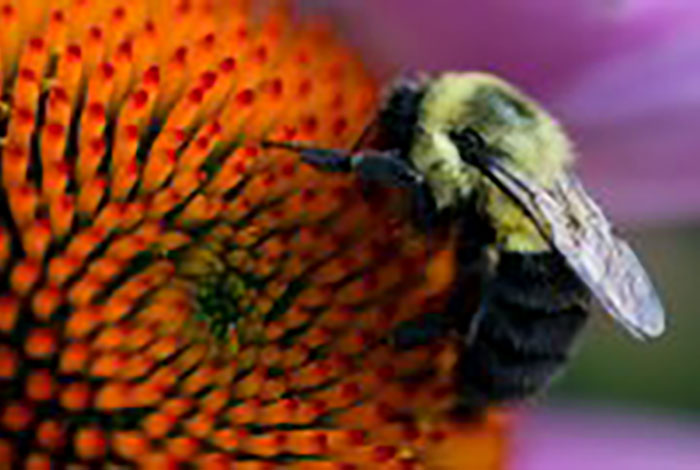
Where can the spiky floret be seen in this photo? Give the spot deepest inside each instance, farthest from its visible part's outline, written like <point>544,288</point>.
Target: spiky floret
<point>170,293</point>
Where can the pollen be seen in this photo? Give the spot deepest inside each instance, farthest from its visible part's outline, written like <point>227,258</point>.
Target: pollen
<point>173,292</point>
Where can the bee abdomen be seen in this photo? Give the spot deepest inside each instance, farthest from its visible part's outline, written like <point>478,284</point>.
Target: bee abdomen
<point>529,317</point>
<point>536,281</point>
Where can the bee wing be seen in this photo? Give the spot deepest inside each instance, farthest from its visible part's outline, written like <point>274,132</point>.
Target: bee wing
<point>578,229</point>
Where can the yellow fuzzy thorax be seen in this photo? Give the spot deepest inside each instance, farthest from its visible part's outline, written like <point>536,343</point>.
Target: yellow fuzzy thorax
<point>515,128</point>
<point>514,230</point>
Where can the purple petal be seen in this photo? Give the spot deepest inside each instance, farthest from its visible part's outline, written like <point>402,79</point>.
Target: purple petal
<point>538,44</point>
<point>597,439</point>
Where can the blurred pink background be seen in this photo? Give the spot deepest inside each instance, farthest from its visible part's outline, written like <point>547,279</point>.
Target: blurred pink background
<point>623,76</point>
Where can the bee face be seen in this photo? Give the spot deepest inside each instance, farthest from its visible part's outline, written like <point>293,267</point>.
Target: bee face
<point>461,111</point>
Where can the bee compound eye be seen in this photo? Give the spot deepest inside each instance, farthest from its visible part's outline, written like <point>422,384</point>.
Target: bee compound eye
<point>467,140</point>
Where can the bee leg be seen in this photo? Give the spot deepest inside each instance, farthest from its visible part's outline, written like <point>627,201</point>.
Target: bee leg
<point>331,160</point>
<point>386,168</point>
<point>390,169</point>
<point>336,161</point>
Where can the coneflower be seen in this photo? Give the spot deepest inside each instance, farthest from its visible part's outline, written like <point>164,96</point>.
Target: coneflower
<point>172,294</point>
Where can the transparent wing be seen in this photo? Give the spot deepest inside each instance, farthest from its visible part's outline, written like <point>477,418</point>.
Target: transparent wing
<point>577,228</point>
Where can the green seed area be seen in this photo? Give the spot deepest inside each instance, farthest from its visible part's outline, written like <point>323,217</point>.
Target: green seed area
<point>218,303</point>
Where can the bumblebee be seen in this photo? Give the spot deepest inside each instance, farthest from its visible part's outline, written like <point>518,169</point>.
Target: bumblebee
<point>478,156</point>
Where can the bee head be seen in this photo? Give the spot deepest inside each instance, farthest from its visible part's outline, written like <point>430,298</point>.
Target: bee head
<point>468,113</point>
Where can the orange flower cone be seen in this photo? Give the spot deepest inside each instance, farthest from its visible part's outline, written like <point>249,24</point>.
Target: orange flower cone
<point>173,295</point>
